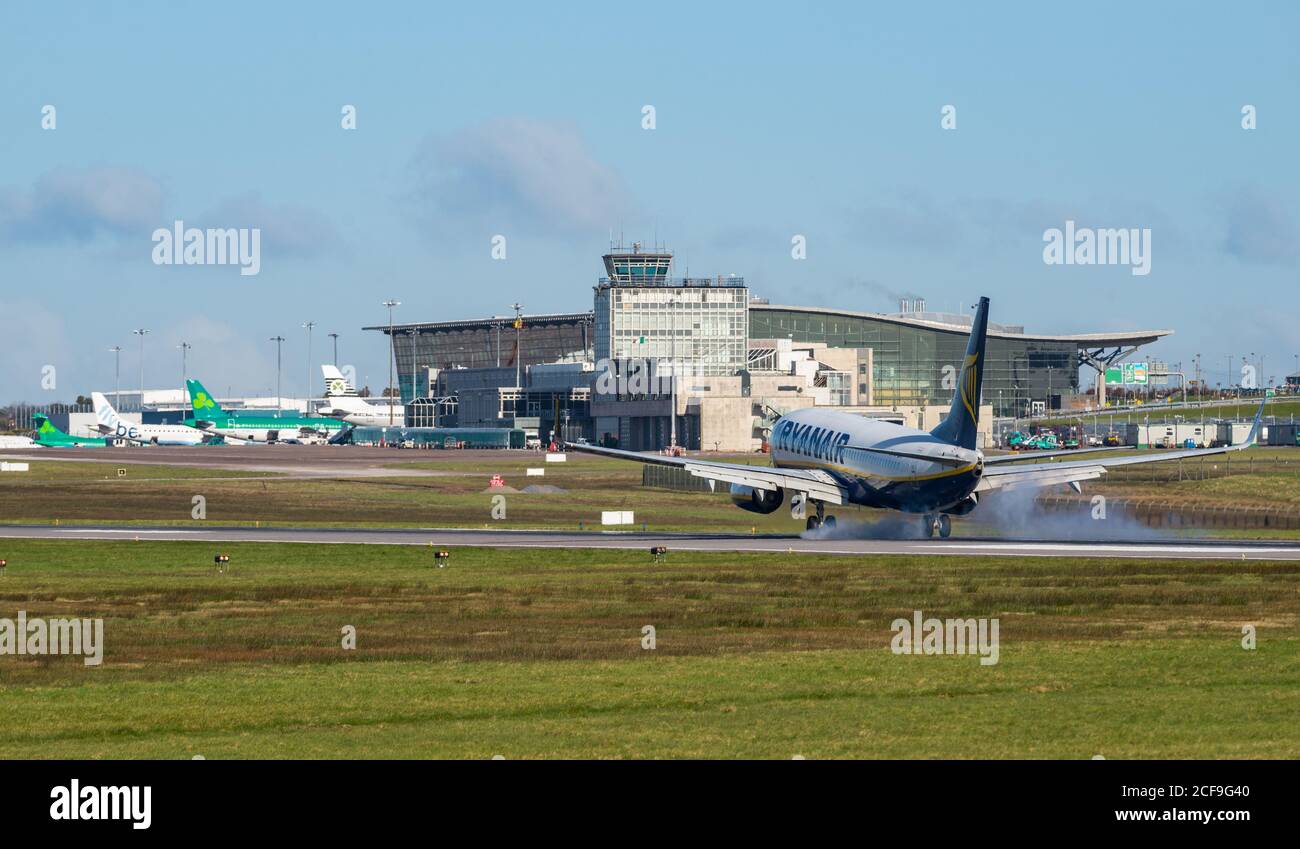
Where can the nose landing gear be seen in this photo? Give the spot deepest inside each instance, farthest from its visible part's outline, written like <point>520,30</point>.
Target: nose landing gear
<point>936,523</point>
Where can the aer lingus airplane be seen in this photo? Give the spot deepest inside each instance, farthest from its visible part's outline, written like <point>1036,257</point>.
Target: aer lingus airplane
<point>347,405</point>
<point>208,416</point>
<point>49,436</point>
<point>827,457</point>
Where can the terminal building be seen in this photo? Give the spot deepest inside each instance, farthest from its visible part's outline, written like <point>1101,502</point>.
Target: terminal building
<point>703,364</point>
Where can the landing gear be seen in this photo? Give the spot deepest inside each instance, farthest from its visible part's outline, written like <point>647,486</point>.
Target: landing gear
<point>815,522</point>
<point>936,522</point>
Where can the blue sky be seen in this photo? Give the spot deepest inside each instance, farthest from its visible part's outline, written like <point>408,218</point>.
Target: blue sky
<point>525,120</point>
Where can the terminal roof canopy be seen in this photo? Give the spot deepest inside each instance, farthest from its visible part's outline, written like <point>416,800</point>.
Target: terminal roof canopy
<point>1084,340</point>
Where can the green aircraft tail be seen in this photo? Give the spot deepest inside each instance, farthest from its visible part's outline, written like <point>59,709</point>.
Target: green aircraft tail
<point>202,404</point>
<point>44,427</point>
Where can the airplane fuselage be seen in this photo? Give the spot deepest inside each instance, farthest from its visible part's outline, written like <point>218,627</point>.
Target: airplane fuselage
<point>837,443</point>
<point>156,434</point>
<point>272,429</point>
<point>376,416</point>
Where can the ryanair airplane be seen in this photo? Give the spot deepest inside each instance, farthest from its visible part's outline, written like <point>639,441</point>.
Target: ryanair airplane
<point>827,457</point>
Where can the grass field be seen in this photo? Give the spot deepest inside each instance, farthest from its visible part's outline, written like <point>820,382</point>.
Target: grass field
<point>1281,408</point>
<point>88,492</point>
<point>73,492</point>
<point>528,654</point>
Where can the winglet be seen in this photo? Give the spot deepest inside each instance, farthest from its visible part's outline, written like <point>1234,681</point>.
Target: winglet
<point>1255,428</point>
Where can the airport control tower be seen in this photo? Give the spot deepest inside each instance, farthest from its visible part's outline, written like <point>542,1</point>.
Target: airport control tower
<point>635,267</point>
<point>641,312</point>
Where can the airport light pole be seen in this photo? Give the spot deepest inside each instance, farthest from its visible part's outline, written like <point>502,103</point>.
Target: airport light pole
<point>278,340</point>
<point>117,375</point>
<point>519,324</point>
<point>185,349</point>
<point>392,341</point>
<point>141,332</point>
<point>307,397</point>
<point>672,386</point>
<point>335,337</point>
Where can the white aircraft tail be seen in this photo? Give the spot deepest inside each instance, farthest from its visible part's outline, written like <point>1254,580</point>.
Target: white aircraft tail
<point>336,385</point>
<point>105,415</point>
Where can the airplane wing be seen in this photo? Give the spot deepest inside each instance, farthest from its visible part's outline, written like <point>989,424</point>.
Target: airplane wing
<point>818,484</point>
<point>1009,476</point>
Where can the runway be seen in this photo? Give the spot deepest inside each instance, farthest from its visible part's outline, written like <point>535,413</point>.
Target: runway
<point>551,540</point>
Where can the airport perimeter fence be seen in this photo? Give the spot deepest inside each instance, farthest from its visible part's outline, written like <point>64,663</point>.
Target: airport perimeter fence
<point>1282,463</point>
<point>1157,513</point>
<point>19,416</point>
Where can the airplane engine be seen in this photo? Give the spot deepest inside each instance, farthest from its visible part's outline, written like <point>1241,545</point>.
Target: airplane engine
<point>756,500</point>
<point>961,508</point>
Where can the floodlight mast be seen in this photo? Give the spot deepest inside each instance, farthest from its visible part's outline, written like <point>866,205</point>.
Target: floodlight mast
<point>392,360</point>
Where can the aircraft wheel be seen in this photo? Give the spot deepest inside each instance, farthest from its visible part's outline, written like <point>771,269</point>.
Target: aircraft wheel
<point>813,523</point>
<point>927,525</point>
<point>829,521</point>
<point>945,526</point>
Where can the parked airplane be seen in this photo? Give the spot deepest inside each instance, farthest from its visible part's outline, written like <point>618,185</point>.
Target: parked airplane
<point>208,416</point>
<point>49,436</point>
<point>347,405</point>
<point>7,441</point>
<point>112,426</point>
<point>829,457</point>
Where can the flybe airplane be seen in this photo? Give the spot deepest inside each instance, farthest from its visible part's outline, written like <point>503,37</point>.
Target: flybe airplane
<point>49,436</point>
<point>208,416</point>
<point>112,426</point>
<point>347,405</point>
<point>835,458</point>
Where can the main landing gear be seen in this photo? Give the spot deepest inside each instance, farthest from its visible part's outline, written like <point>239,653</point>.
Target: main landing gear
<point>821,519</point>
<point>936,523</point>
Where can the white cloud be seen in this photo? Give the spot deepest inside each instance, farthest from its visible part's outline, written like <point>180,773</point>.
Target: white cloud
<point>517,173</point>
<point>80,204</point>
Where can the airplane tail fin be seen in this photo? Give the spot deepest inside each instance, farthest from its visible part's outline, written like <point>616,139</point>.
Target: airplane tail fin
<point>336,384</point>
<point>44,427</point>
<point>203,405</point>
<point>104,412</point>
<point>961,427</point>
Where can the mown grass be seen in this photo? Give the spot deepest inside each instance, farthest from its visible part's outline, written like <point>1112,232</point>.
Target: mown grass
<point>1160,412</point>
<point>588,487</point>
<point>82,493</point>
<point>75,473</point>
<point>538,654</point>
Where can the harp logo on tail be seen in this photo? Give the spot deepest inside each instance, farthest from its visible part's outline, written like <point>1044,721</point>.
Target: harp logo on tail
<point>968,385</point>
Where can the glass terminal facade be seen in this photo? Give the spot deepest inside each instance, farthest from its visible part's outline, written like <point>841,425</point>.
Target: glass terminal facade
<point>915,364</point>
<point>486,343</point>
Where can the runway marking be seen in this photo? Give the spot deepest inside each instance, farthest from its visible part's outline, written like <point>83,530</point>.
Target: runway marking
<point>1106,546</point>
<point>127,531</point>
<point>706,543</point>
